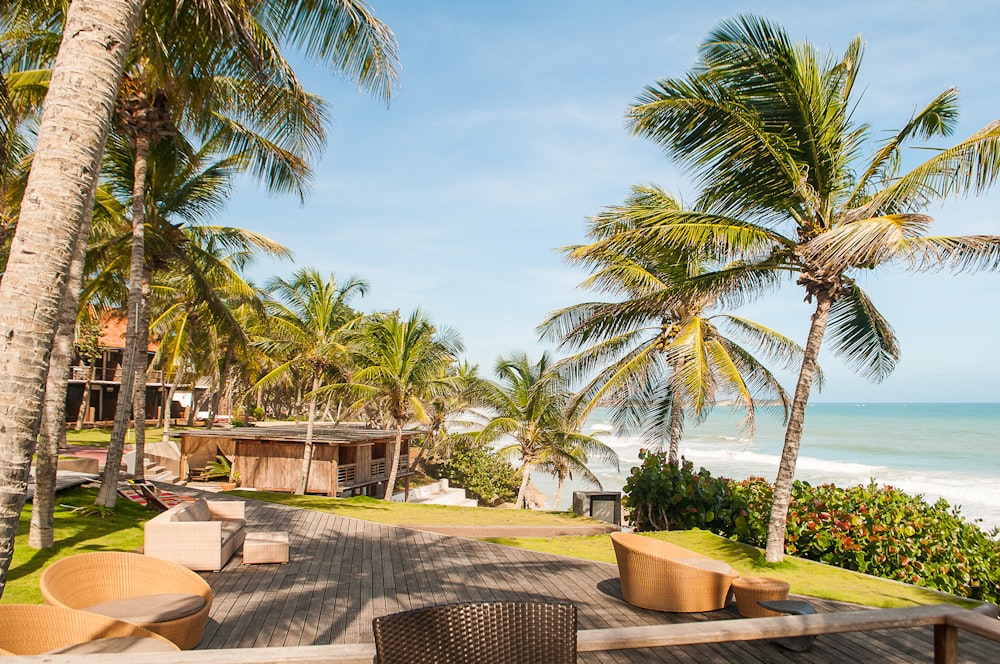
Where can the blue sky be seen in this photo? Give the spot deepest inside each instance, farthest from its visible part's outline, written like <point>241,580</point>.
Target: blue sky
<point>508,131</point>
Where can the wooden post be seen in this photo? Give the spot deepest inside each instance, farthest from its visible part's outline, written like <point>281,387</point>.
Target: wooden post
<point>945,644</point>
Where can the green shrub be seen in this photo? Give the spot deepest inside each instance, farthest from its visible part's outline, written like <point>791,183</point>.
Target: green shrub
<point>873,529</point>
<point>883,531</point>
<point>479,470</point>
<point>665,496</point>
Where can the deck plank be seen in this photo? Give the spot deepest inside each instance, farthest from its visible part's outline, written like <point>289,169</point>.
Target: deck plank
<point>344,572</point>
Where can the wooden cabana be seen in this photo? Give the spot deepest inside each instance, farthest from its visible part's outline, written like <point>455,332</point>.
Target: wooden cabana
<point>346,460</point>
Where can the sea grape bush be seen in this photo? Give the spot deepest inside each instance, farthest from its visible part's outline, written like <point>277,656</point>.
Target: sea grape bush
<point>665,496</point>
<point>874,529</point>
<point>883,531</point>
<point>486,475</point>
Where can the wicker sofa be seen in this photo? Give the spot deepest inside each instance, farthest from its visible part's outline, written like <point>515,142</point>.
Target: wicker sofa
<point>154,594</point>
<point>200,535</point>
<point>35,629</point>
<point>664,577</point>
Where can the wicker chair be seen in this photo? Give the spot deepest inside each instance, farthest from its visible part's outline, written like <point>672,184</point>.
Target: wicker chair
<point>88,579</point>
<point>34,629</point>
<point>664,577</point>
<point>478,633</point>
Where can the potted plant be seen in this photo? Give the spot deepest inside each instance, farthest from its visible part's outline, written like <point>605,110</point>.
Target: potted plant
<point>220,467</point>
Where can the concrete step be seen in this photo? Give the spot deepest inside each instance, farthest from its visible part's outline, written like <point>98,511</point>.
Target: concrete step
<point>438,493</point>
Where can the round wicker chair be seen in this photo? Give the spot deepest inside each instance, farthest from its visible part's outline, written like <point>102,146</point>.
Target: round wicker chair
<point>664,577</point>
<point>88,579</point>
<point>34,629</point>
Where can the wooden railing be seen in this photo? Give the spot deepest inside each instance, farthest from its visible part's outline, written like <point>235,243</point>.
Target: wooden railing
<point>111,374</point>
<point>946,620</point>
<point>346,472</point>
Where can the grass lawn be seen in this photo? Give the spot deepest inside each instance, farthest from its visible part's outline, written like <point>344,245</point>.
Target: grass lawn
<point>804,576</point>
<point>381,511</point>
<point>75,532</point>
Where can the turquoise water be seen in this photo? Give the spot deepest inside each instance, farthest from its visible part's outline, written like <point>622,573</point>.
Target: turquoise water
<point>937,450</point>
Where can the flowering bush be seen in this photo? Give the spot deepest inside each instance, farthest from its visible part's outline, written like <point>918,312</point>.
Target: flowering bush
<point>874,529</point>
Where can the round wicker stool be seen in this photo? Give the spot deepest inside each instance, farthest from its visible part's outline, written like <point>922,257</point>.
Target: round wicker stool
<point>752,588</point>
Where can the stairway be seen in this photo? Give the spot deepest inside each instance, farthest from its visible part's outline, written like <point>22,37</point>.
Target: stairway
<point>438,493</point>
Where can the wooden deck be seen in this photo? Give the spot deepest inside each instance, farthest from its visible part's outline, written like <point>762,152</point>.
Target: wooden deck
<point>344,572</point>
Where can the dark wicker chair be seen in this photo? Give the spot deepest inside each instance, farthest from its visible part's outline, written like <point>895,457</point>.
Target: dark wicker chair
<point>479,633</point>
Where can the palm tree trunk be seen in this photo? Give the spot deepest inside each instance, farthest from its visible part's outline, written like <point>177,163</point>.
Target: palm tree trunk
<point>57,205</point>
<point>676,428</point>
<point>141,366</point>
<point>166,410</point>
<point>793,434</point>
<point>559,490</point>
<point>390,483</point>
<point>108,493</point>
<point>525,478</point>
<point>85,399</point>
<point>52,434</point>
<point>307,451</point>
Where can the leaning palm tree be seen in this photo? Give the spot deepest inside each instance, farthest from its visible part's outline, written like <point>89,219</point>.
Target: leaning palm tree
<point>55,213</point>
<point>532,405</point>
<point>310,328</point>
<point>403,365</point>
<point>656,351</point>
<point>793,185</point>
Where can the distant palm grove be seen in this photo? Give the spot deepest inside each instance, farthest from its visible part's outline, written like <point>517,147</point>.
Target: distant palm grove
<point>110,191</point>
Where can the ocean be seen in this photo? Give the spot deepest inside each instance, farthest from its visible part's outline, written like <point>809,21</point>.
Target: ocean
<point>936,450</point>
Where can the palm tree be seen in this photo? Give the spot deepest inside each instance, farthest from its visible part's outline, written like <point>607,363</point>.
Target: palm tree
<point>791,186</point>
<point>310,330</point>
<point>58,200</point>
<point>402,365</point>
<point>532,404</point>
<point>442,407</point>
<point>656,350</point>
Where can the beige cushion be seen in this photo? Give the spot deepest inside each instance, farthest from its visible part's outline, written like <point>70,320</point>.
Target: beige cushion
<point>231,527</point>
<point>116,644</point>
<point>198,511</point>
<point>707,564</point>
<point>151,608</point>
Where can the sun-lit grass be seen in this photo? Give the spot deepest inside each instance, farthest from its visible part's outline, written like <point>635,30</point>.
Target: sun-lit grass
<point>122,531</point>
<point>804,576</point>
<point>381,511</point>
<point>75,532</point>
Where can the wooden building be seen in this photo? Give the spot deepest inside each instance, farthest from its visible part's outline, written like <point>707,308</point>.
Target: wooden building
<point>100,383</point>
<point>346,460</point>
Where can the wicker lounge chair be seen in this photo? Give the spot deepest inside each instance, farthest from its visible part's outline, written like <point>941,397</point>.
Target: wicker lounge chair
<point>34,629</point>
<point>479,633</point>
<point>139,589</point>
<point>664,577</point>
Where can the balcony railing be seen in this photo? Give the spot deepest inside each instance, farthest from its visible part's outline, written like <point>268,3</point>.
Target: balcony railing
<point>111,374</point>
<point>347,473</point>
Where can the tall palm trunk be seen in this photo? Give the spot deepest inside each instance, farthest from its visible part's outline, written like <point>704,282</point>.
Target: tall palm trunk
<point>141,365</point>
<point>307,451</point>
<point>559,490</point>
<point>525,479</point>
<point>52,434</point>
<point>108,493</point>
<point>167,403</point>
<point>676,428</point>
<point>57,205</point>
<point>793,434</point>
<point>390,484</point>
<point>85,399</point>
